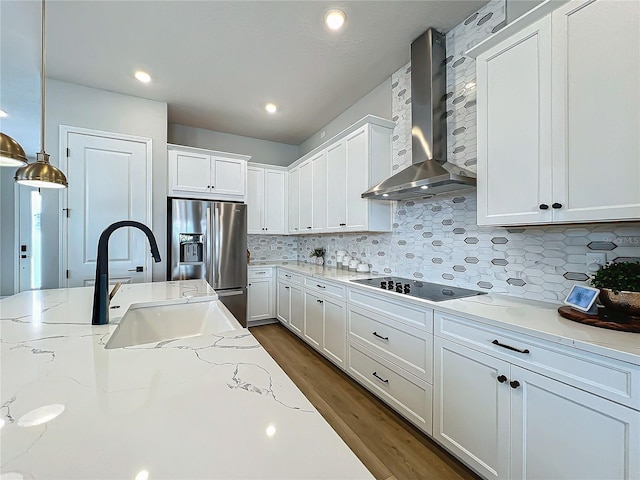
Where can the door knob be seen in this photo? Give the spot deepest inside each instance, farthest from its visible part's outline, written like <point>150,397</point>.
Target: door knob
<point>502,379</point>
<point>556,205</point>
<point>544,206</point>
<point>514,384</point>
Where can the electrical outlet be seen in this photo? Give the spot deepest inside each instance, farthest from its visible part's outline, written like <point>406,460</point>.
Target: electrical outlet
<point>273,246</point>
<point>595,260</point>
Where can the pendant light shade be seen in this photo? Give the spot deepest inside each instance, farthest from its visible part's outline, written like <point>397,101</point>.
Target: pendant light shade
<point>11,153</point>
<point>41,174</point>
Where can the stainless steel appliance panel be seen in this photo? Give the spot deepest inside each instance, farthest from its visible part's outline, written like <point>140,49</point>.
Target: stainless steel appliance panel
<point>236,301</point>
<point>188,239</point>
<point>229,246</point>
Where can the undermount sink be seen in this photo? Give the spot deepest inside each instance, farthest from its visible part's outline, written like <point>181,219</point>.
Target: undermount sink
<point>150,324</point>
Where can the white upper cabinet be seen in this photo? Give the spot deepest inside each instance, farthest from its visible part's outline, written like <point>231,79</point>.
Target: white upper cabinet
<point>294,201</point>
<point>206,174</point>
<point>559,116</point>
<point>331,179</point>
<point>266,200</point>
<point>596,105</point>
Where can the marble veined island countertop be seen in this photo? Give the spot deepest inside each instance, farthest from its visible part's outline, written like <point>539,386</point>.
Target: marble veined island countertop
<point>210,406</point>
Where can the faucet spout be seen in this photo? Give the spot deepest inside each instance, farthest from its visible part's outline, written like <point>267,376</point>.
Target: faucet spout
<point>100,314</point>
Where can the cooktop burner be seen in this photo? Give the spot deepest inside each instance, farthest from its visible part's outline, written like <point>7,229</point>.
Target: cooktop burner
<point>415,288</point>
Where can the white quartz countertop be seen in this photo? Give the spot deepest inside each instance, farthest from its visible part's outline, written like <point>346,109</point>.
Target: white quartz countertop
<point>538,319</point>
<point>214,406</point>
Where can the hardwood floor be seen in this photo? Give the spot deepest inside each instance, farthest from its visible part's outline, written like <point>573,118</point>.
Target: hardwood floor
<point>389,446</point>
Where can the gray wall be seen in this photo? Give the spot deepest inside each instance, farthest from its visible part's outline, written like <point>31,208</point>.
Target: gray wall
<point>517,8</point>
<point>79,106</point>
<point>261,151</point>
<point>376,102</point>
<point>7,250</point>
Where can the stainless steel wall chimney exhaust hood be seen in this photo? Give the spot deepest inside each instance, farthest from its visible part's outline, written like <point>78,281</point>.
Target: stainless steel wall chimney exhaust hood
<point>430,173</point>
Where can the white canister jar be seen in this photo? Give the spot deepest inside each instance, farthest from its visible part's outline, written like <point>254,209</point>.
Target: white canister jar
<point>339,259</point>
<point>353,264</point>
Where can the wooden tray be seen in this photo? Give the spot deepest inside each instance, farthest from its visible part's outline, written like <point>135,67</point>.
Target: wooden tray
<point>633,325</point>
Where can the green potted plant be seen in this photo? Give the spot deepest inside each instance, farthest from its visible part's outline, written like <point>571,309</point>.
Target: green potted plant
<point>619,285</point>
<point>319,254</point>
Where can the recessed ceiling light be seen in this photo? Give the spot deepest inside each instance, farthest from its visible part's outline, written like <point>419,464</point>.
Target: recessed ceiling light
<point>334,19</point>
<point>144,77</point>
<point>385,194</point>
<point>424,187</point>
<point>271,107</point>
<point>3,114</point>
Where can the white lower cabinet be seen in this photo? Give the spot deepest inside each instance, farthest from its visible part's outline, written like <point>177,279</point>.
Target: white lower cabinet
<point>260,294</point>
<point>325,326</point>
<point>507,421</point>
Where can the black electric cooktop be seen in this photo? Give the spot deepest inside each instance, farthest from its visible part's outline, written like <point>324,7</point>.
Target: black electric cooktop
<point>415,288</point>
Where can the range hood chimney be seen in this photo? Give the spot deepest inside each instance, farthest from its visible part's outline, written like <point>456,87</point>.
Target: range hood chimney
<point>430,173</point>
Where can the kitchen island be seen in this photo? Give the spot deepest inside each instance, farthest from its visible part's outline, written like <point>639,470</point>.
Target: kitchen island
<point>209,406</point>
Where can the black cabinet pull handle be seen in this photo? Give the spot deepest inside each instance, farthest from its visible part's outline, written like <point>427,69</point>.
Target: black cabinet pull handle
<point>502,379</point>
<point>319,301</point>
<point>308,227</point>
<point>380,336</point>
<point>514,384</point>
<point>288,276</point>
<point>509,347</point>
<point>544,206</point>
<point>383,380</point>
<point>343,224</point>
<point>320,286</point>
<point>286,288</point>
<point>556,205</point>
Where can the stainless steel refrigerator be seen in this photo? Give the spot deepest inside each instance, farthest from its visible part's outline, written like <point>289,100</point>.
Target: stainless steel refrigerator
<point>209,240</point>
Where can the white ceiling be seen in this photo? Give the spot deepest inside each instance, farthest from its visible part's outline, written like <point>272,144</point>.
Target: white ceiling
<point>216,63</point>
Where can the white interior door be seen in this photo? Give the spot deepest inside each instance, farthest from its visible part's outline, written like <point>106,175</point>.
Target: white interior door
<point>109,180</point>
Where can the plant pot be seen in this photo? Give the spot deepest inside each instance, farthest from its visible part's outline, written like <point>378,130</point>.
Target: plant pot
<point>628,302</point>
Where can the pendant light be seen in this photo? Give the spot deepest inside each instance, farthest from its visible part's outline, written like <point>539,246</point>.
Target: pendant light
<point>11,153</point>
<point>41,174</point>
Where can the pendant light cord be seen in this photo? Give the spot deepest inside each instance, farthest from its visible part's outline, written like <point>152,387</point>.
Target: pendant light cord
<point>42,99</point>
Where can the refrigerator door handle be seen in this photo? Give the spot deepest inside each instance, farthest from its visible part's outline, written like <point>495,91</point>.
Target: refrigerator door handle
<point>216,247</point>
<point>209,255</point>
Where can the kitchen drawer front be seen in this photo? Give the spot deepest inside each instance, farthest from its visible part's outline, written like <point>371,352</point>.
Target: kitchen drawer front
<point>393,309</point>
<point>606,377</point>
<point>326,288</point>
<point>405,346</point>
<point>288,276</point>
<point>254,273</point>
<point>409,396</point>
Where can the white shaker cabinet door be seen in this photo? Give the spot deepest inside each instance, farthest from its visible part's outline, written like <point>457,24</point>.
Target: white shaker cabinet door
<point>319,191</point>
<point>190,172</point>
<point>514,129</point>
<point>296,321</point>
<point>559,431</point>
<point>336,186</point>
<point>471,407</point>
<point>313,319</point>
<point>294,200</point>
<point>305,204</point>
<point>596,111</point>
<point>255,200</point>
<point>260,301</point>
<point>357,178</point>
<point>334,343</point>
<point>283,303</point>
<point>274,201</point>
<point>229,176</point>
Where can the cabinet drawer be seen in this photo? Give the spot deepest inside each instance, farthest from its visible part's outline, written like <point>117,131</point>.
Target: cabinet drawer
<point>408,395</point>
<point>402,312</point>
<point>288,276</point>
<point>258,272</point>
<point>330,289</point>
<point>606,377</point>
<point>407,347</point>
